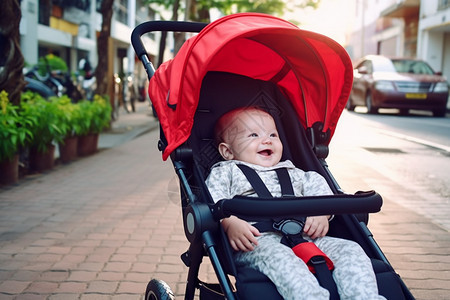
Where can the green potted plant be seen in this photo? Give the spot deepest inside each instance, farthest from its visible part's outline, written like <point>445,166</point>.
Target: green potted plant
<point>96,116</point>
<point>69,118</point>
<point>47,129</point>
<point>14,133</point>
<point>87,141</point>
<point>101,114</point>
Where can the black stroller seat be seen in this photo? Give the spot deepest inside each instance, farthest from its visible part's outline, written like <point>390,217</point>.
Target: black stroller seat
<point>237,91</point>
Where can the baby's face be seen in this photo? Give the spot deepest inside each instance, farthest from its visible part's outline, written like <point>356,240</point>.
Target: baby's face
<point>252,137</point>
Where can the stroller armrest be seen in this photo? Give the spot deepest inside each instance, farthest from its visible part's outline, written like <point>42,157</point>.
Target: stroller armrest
<point>251,208</point>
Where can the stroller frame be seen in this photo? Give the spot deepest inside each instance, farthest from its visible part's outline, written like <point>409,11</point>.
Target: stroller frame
<point>201,217</point>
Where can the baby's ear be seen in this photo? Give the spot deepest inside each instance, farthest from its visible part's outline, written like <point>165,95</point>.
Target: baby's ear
<point>225,151</point>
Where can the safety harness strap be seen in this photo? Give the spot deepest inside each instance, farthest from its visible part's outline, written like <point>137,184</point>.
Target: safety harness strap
<point>255,181</point>
<point>285,182</point>
<point>317,261</point>
<point>260,188</point>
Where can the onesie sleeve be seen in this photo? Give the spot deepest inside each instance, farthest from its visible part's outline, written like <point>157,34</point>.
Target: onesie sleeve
<point>315,185</point>
<point>218,183</point>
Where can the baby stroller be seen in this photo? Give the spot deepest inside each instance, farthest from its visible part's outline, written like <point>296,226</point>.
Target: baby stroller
<point>304,80</point>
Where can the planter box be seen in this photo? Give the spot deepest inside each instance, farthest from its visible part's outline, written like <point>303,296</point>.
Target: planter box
<point>87,144</point>
<point>68,150</point>
<point>9,171</point>
<point>42,161</point>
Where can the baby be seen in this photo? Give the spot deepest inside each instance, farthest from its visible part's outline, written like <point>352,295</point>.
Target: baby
<point>249,136</point>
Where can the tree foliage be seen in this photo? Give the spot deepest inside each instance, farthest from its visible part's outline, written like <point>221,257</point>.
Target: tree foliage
<point>199,9</point>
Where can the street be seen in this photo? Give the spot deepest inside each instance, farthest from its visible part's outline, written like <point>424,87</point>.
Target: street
<point>412,151</point>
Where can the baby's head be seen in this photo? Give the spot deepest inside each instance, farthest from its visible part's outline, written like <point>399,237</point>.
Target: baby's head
<point>250,135</point>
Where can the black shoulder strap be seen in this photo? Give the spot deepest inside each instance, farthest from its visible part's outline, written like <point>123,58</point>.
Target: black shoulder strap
<point>255,181</point>
<point>259,186</point>
<point>285,181</point>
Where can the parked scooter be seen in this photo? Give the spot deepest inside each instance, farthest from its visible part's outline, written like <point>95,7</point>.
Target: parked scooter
<point>48,79</point>
<point>38,87</point>
<point>130,93</point>
<point>86,79</point>
<point>69,87</point>
<point>58,81</point>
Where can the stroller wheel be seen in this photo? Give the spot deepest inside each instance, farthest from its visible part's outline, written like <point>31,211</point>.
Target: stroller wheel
<point>158,290</point>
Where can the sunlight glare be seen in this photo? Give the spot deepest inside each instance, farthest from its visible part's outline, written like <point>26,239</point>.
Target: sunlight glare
<point>333,18</point>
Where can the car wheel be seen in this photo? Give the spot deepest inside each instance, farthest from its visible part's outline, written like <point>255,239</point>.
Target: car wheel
<point>158,290</point>
<point>370,108</point>
<point>440,112</point>
<point>350,106</point>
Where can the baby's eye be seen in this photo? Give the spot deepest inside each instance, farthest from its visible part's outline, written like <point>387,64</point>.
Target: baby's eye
<point>273,135</point>
<point>253,135</point>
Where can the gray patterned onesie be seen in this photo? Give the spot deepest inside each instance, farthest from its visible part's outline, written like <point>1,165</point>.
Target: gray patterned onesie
<point>353,271</point>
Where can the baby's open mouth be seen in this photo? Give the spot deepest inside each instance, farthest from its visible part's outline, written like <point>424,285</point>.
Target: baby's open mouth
<point>266,152</point>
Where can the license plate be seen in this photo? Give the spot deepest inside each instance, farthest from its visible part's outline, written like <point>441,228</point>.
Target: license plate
<point>415,96</point>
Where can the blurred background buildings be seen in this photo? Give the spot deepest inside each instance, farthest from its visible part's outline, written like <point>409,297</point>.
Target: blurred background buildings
<point>68,28</point>
<point>403,28</point>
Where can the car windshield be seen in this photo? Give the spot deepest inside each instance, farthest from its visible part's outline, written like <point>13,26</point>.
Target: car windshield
<point>412,66</point>
<point>382,64</point>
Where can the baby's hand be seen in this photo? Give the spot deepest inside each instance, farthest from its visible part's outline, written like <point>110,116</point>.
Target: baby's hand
<point>240,234</point>
<point>316,226</point>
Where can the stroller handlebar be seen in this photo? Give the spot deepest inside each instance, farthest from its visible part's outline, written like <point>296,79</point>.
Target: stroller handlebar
<point>250,208</point>
<point>146,27</point>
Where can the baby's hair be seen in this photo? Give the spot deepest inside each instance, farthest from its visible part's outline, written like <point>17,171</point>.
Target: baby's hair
<point>228,118</point>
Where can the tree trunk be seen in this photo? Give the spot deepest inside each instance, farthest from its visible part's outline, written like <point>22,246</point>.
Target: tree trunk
<point>101,72</point>
<point>11,58</point>
<point>162,47</point>
<point>177,35</point>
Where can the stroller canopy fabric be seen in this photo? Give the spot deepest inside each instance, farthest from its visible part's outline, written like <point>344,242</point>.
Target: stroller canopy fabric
<point>311,70</point>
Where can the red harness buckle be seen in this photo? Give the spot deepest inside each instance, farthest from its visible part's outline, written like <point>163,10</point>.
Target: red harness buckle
<point>307,251</point>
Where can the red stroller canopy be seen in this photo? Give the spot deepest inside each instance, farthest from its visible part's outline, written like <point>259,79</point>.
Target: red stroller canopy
<point>311,70</point>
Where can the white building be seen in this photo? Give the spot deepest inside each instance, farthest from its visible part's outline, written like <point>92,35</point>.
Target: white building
<point>69,29</point>
<point>433,38</point>
<point>386,27</point>
<point>404,28</point>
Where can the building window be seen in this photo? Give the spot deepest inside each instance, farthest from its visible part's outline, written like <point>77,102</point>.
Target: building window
<point>121,11</point>
<point>443,4</point>
<point>80,4</point>
<point>45,8</point>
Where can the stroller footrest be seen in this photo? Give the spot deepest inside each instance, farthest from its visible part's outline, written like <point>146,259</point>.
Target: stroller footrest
<point>254,285</point>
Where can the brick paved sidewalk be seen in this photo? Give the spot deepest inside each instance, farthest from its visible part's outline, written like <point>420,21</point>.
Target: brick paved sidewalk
<point>98,228</point>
